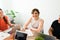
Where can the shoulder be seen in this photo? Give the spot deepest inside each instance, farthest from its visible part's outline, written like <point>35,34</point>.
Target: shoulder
<point>6,16</point>
<point>41,20</point>
<point>55,21</point>
<point>30,18</point>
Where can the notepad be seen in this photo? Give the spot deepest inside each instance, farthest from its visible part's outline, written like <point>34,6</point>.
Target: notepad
<point>3,35</point>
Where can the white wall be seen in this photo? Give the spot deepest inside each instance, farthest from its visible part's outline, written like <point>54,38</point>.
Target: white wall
<point>1,4</point>
<point>7,4</point>
<point>50,9</point>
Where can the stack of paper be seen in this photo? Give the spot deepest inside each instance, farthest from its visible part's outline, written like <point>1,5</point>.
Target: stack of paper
<point>3,35</point>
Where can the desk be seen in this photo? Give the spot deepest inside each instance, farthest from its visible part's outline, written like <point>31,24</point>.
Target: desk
<point>12,38</point>
<point>29,38</point>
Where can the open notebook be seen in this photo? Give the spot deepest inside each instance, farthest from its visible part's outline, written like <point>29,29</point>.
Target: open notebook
<point>3,35</point>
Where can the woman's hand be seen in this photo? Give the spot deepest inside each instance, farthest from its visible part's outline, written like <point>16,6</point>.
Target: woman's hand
<point>32,29</point>
<point>12,25</point>
<point>23,29</point>
<point>16,26</point>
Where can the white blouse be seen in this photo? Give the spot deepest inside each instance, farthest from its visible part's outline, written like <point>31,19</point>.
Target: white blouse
<point>35,24</point>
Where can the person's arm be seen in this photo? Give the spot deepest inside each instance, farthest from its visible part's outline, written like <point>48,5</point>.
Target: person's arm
<point>50,31</point>
<point>9,23</point>
<point>27,23</point>
<point>13,25</point>
<point>39,28</point>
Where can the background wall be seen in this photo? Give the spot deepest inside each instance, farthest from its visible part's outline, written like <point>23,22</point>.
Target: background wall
<point>49,10</point>
<point>0,4</point>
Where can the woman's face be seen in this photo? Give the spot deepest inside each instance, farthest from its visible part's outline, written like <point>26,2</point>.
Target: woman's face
<point>35,14</point>
<point>1,13</point>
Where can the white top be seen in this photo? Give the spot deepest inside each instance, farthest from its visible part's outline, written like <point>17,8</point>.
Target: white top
<point>35,23</point>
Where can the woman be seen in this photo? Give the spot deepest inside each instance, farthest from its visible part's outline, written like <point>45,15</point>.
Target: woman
<point>4,22</point>
<point>36,22</point>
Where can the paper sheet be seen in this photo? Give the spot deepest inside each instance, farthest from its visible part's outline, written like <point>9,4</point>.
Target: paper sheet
<point>3,35</point>
<point>28,32</point>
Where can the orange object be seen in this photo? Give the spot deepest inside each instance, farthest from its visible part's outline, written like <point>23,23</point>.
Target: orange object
<point>3,24</point>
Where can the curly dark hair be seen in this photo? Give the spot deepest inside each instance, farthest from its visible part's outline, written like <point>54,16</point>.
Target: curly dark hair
<point>0,9</point>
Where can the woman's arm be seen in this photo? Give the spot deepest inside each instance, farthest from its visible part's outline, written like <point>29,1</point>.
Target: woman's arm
<point>13,25</point>
<point>10,24</point>
<point>8,21</point>
<point>39,28</point>
<point>27,23</point>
